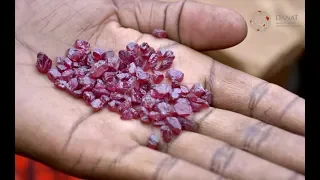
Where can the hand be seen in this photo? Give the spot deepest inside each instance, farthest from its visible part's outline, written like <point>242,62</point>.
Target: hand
<point>254,131</point>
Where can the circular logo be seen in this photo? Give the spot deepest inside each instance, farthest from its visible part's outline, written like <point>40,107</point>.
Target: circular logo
<point>260,21</point>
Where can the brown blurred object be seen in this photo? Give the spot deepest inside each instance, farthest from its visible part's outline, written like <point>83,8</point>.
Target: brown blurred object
<point>268,54</point>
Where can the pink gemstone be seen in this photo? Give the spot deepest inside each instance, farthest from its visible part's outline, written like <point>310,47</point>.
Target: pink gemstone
<point>187,124</point>
<point>108,76</point>
<point>53,74</point>
<point>81,71</point>
<point>60,84</point>
<point>124,106</point>
<point>184,89</point>
<point>74,54</point>
<point>67,63</point>
<point>165,109</point>
<point>193,98</point>
<point>195,107</point>
<point>123,76</point>
<point>109,54</point>
<point>174,75</point>
<point>135,113</point>
<point>60,60</point>
<point>175,94</point>
<point>153,142</point>
<point>182,107</point>
<point>143,114</point>
<point>148,101</point>
<point>166,132</point>
<point>100,84</point>
<point>85,80</point>
<point>81,44</point>
<point>207,96</point>
<point>154,116</point>
<point>153,60</point>
<point>61,68</point>
<point>125,57</point>
<point>157,77</point>
<point>105,98</point>
<point>112,85</point>
<point>86,87</point>
<point>126,115</point>
<point>159,33</point>
<point>159,123</point>
<point>98,69</point>
<point>142,76</point>
<point>165,54</point>
<point>174,125</point>
<point>144,47</point>
<point>43,63</point>
<point>72,85</point>
<point>175,84</point>
<point>132,68</point>
<point>132,46</point>
<point>114,63</point>
<point>77,93</point>
<point>98,54</point>
<point>146,55</point>
<point>162,90</point>
<point>165,64</point>
<point>88,96</point>
<point>97,104</point>
<point>116,96</point>
<point>90,60</point>
<point>75,64</point>
<point>197,89</point>
<point>100,92</point>
<point>67,75</point>
<point>113,105</point>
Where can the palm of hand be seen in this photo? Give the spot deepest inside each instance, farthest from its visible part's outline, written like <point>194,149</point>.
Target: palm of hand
<point>100,145</point>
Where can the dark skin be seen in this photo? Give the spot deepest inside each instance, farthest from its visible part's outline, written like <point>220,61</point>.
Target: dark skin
<point>255,130</point>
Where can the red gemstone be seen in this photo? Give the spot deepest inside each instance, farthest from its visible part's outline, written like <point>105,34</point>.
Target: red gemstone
<point>97,104</point>
<point>67,63</point>
<point>113,105</point>
<point>53,74</point>
<point>144,47</point>
<point>153,60</point>
<point>187,124</point>
<point>113,63</point>
<point>81,44</point>
<point>98,54</point>
<point>98,69</point>
<point>165,109</point>
<point>100,84</point>
<point>88,96</point>
<point>67,75</point>
<point>207,96</point>
<point>132,46</point>
<point>165,54</point>
<point>184,89</point>
<point>159,33</point>
<point>124,106</point>
<point>77,93</point>
<point>182,107</point>
<point>105,98</point>
<point>148,101</point>
<point>166,132</point>
<point>87,81</point>
<point>108,76</point>
<point>143,114</point>
<point>60,84</point>
<point>174,75</point>
<point>74,54</point>
<point>61,68</point>
<point>162,90</point>
<point>100,92</point>
<point>175,94</point>
<point>44,63</point>
<point>142,76</point>
<point>165,64</point>
<point>157,77</point>
<point>81,71</point>
<point>153,142</point>
<point>60,60</point>
<point>154,116</point>
<point>72,85</point>
<point>197,89</point>
<point>90,60</point>
<point>174,124</point>
<point>159,123</point>
<point>126,115</point>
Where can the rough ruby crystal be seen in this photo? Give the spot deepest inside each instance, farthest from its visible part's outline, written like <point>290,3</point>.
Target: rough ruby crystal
<point>88,96</point>
<point>77,93</point>
<point>165,109</point>
<point>132,46</point>
<point>99,92</point>
<point>121,76</point>
<point>60,84</point>
<point>166,132</point>
<point>207,96</point>
<point>97,104</point>
<point>98,54</point>
<point>184,89</point>
<point>75,64</point>
<point>113,63</point>
<point>113,105</point>
<point>53,74</point>
<point>157,77</point>
<point>100,84</point>
<point>98,69</point>
<point>142,76</point>
<point>67,62</point>
<point>159,33</point>
<point>159,123</point>
<point>143,114</point>
<point>74,54</point>
<point>153,142</point>
<point>67,75</point>
<point>154,116</point>
<point>124,106</point>
<point>165,64</point>
<point>108,76</point>
<point>197,89</point>
<point>174,75</point>
<point>182,107</point>
<point>175,94</point>
<point>61,68</point>
<point>105,98</point>
<point>60,60</point>
<point>72,85</point>
<point>44,63</point>
<point>153,60</point>
<point>187,124</point>
<point>144,47</point>
<point>165,54</point>
<point>162,90</point>
<point>148,101</point>
<point>174,124</point>
<point>126,115</point>
<point>85,80</point>
<point>90,60</point>
<point>81,44</point>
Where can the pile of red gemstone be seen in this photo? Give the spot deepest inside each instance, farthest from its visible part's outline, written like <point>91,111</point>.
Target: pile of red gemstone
<point>129,84</point>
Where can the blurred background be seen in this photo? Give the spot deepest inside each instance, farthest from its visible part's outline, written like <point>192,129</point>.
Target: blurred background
<point>273,51</point>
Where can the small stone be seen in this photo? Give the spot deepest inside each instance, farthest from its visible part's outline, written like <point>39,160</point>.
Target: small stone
<point>153,61</point>
<point>61,68</point>
<point>85,80</point>
<point>143,114</point>
<point>53,74</point>
<point>184,89</point>
<point>88,97</point>
<point>165,64</point>
<point>126,115</point>
<point>157,77</point>
<point>113,63</point>
<point>175,94</point>
<point>148,101</point>
<point>100,84</point>
<point>182,107</point>
<point>162,90</point>
<point>135,113</point>
<point>207,96</point>
<point>123,76</point>
<point>187,124</point>
<point>60,84</point>
<point>104,98</point>
<point>159,123</point>
<point>67,75</point>
<point>74,54</point>
<point>81,71</point>
<point>67,63</point>
<point>142,76</point>
<point>90,60</point>
<point>113,105</point>
<point>165,54</point>
<point>166,132</point>
<point>72,85</point>
<point>99,92</point>
<point>124,106</point>
<point>174,75</point>
<point>125,57</point>
<point>44,63</point>
<point>197,89</point>
<point>98,54</point>
<point>98,69</point>
<point>108,76</point>
<point>165,109</point>
<point>81,44</point>
<point>154,116</point>
<point>144,47</point>
<point>116,96</point>
<point>153,142</point>
<point>175,84</point>
<point>159,33</point>
<point>75,64</point>
<point>132,68</point>
<point>174,124</point>
<point>132,46</point>
<point>60,60</point>
<point>97,104</point>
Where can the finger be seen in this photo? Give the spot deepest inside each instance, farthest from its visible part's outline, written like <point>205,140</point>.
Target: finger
<point>263,140</point>
<point>197,25</point>
<point>222,158</point>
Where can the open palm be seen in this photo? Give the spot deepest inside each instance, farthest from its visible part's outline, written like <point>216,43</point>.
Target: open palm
<point>255,130</point>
